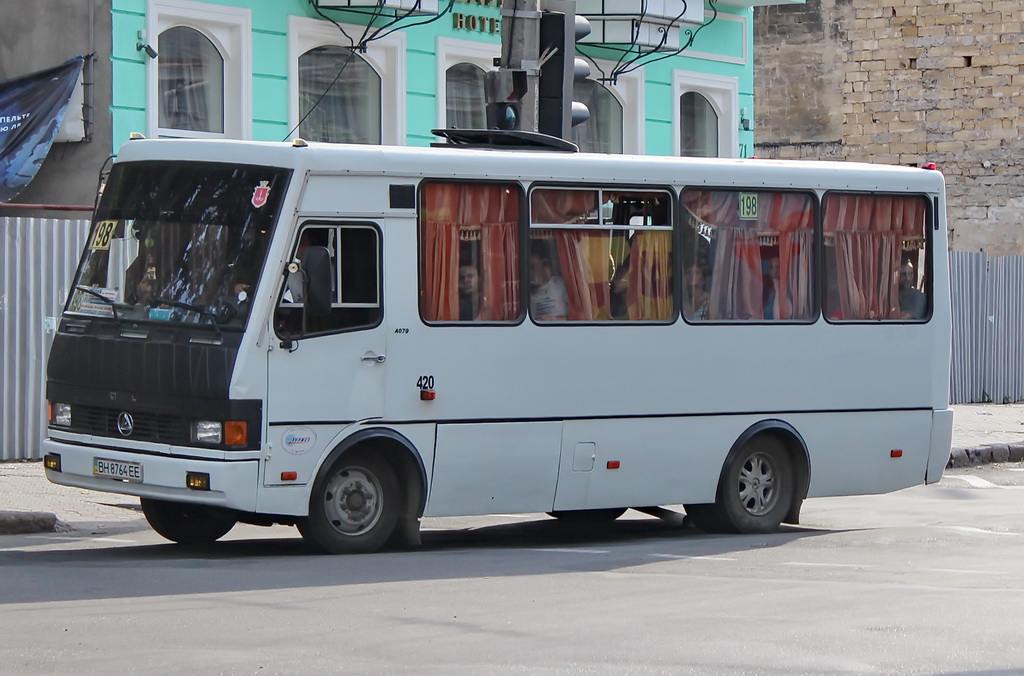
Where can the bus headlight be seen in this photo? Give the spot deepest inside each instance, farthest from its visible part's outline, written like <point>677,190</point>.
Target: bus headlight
<point>60,414</point>
<point>207,432</point>
<point>229,433</point>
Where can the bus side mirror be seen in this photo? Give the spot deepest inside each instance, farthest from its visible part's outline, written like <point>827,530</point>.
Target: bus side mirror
<point>319,286</point>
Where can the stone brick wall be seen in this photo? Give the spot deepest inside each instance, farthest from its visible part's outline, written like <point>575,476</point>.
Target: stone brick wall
<point>904,82</point>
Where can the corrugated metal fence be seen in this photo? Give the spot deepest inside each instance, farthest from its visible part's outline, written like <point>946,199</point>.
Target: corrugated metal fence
<point>38,258</point>
<point>988,328</point>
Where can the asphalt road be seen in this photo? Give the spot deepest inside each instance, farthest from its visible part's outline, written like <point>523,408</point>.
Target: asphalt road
<point>923,581</point>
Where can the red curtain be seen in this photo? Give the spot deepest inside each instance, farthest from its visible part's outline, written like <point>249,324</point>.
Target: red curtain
<point>576,273</point>
<point>450,209</point>
<point>868,234</point>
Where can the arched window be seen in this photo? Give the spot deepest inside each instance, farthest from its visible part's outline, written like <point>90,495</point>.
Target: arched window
<point>191,75</point>
<point>344,93</point>
<point>602,133</point>
<point>698,126</point>
<point>465,104</point>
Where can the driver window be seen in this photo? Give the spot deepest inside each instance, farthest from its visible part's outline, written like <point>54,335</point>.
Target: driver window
<point>355,255</point>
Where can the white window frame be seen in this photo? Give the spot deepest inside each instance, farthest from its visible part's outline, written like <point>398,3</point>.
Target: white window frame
<point>450,52</point>
<point>628,89</point>
<point>230,31</point>
<point>723,92</point>
<point>386,56</point>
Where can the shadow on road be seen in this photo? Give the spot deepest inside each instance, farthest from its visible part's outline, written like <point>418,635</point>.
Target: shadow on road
<point>540,547</point>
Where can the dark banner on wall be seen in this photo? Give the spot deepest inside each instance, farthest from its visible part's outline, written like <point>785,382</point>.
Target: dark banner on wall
<point>31,110</point>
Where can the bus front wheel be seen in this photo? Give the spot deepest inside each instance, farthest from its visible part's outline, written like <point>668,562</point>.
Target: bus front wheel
<point>754,492</point>
<point>354,506</point>
<point>187,524</point>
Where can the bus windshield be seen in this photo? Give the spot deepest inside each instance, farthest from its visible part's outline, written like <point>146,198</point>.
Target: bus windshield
<point>178,242</point>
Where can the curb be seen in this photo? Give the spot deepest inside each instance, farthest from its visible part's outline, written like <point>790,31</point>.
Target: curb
<point>19,523</point>
<point>982,455</point>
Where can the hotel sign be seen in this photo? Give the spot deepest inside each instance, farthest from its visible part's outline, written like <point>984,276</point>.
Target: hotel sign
<point>478,23</point>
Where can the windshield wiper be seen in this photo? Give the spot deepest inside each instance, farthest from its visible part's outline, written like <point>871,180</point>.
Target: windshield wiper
<point>108,301</point>
<point>188,306</point>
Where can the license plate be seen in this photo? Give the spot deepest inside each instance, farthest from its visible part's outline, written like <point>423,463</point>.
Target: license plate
<point>117,469</point>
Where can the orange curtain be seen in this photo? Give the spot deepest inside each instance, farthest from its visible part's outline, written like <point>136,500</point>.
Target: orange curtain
<point>792,217</point>
<point>868,234</point>
<point>649,294</point>
<point>450,209</point>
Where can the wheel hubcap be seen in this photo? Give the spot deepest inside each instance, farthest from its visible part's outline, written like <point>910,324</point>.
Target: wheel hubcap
<point>757,484</point>
<point>353,501</point>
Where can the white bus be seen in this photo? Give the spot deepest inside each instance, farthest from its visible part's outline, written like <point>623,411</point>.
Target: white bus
<point>350,338</point>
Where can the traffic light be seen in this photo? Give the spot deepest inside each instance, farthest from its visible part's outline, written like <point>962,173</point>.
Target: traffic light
<point>505,90</point>
<point>560,28</point>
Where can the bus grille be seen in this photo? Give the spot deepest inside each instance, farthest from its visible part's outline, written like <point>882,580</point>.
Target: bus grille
<point>157,427</point>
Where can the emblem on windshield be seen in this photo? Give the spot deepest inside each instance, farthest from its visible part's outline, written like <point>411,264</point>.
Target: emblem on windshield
<point>260,194</point>
<point>125,424</point>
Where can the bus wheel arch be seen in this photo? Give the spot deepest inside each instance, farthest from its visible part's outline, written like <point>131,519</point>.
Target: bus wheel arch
<point>374,468</point>
<point>771,450</point>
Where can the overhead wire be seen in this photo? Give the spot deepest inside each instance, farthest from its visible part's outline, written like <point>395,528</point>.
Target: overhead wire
<point>692,33</point>
<point>380,33</point>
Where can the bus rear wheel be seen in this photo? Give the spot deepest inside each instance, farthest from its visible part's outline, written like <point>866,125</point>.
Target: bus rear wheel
<point>589,516</point>
<point>187,524</point>
<point>354,506</point>
<point>754,492</point>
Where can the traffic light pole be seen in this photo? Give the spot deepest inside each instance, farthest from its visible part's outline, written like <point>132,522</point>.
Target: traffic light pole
<point>520,50</point>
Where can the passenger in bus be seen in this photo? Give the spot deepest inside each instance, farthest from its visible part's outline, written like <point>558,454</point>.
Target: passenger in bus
<point>913,303</point>
<point>771,289</point>
<point>549,300</point>
<point>469,293</point>
<point>619,287</point>
<point>697,277</point>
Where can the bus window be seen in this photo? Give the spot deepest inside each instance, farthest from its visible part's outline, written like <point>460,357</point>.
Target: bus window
<point>875,257</point>
<point>355,298</point>
<point>469,252</point>
<point>748,255</point>
<point>600,255</point>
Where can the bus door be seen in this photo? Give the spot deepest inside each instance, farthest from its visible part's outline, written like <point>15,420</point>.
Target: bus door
<point>330,369</point>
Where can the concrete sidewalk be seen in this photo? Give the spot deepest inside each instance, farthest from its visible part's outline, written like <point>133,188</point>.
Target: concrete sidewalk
<point>982,433</point>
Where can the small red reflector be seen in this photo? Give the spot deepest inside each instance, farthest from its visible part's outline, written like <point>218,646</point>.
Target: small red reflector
<point>613,464</point>
<point>289,476</point>
<point>931,165</point>
<point>896,454</point>
<point>428,395</point>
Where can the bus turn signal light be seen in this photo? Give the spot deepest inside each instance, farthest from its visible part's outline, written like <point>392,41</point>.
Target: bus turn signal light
<point>896,453</point>
<point>428,395</point>
<point>289,476</point>
<point>235,432</point>
<point>613,464</point>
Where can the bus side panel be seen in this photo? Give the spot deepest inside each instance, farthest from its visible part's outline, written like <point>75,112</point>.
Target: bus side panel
<point>661,461</point>
<point>642,461</point>
<point>494,468</point>
<point>862,453</point>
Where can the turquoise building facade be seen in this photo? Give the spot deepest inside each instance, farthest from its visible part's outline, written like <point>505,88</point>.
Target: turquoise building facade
<point>409,59</point>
